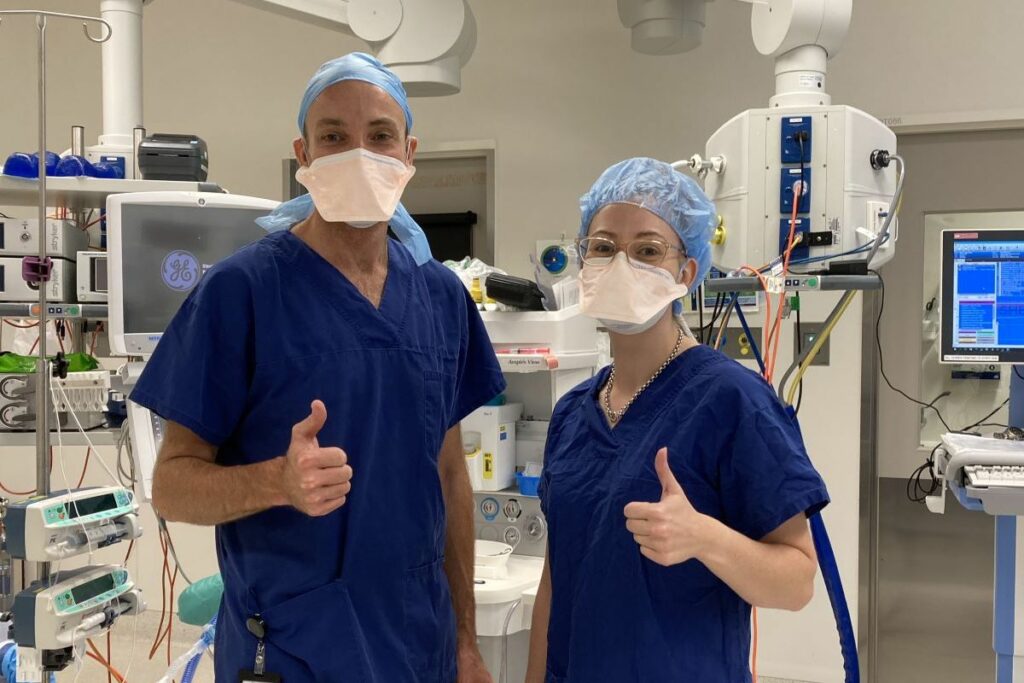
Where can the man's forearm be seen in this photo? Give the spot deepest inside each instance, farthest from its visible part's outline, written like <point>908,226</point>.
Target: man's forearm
<point>195,491</point>
<point>459,551</point>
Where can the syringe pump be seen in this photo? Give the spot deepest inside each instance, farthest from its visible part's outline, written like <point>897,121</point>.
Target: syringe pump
<point>63,524</point>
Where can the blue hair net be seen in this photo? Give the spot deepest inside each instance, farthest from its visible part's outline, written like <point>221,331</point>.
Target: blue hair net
<point>673,197</point>
<point>357,66</point>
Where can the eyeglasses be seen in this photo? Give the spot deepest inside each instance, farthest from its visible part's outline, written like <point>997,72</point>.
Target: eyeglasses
<point>599,251</point>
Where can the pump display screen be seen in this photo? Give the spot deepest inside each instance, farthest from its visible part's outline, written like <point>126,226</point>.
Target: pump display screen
<point>983,296</point>
<point>90,506</point>
<point>88,591</point>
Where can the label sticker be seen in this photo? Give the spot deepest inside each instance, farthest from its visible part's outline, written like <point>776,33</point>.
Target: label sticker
<point>180,271</point>
<point>488,466</point>
<point>811,80</point>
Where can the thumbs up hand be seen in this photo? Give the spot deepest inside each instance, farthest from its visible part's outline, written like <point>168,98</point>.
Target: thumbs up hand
<point>315,480</point>
<point>670,531</point>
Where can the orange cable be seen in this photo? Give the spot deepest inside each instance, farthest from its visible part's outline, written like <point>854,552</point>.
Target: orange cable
<point>158,639</point>
<point>19,326</point>
<point>16,493</point>
<point>94,653</point>
<point>109,658</point>
<point>95,334</point>
<point>753,664</point>
<point>85,468</point>
<point>775,332</point>
<point>170,614</point>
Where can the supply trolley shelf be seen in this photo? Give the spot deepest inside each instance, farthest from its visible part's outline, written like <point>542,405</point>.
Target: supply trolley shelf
<point>54,310</point>
<point>796,283</point>
<point>86,193</point>
<point>99,437</point>
<point>520,363</point>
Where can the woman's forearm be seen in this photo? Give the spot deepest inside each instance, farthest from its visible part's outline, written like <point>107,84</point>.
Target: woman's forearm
<point>764,573</point>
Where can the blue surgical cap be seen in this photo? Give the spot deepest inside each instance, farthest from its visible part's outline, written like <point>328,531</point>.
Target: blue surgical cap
<point>357,66</point>
<point>673,197</point>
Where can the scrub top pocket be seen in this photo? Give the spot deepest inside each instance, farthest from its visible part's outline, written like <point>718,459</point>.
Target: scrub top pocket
<point>320,629</point>
<point>428,613</point>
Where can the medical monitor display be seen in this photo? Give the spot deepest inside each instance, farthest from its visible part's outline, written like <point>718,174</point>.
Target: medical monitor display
<point>90,506</point>
<point>982,296</point>
<point>160,251</point>
<point>88,591</point>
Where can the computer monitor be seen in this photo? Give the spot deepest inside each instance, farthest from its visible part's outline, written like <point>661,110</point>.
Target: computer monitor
<point>982,314</point>
<point>159,245</point>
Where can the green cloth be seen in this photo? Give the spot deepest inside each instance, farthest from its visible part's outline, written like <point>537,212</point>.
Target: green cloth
<point>13,364</point>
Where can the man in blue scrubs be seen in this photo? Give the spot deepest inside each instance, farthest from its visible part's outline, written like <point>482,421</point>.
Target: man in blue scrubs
<point>313,385</point>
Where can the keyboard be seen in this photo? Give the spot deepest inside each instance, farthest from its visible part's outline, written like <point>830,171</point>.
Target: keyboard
<point>1011,476</point>
<point>983,473</point>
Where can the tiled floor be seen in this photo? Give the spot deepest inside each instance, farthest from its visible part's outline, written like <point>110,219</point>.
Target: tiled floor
<point>145,671</point>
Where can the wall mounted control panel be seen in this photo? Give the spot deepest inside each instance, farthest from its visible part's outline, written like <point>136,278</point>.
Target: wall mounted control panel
<point>511,518</point>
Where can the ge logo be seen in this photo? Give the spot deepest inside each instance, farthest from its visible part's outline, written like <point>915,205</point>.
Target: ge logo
<point>180,271</point>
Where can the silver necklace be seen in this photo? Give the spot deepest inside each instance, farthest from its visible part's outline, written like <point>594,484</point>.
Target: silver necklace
<point>615,415</point>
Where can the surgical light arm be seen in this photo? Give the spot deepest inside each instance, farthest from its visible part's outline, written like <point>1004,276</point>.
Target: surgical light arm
<point>802,35</point>
<point>425,42</point>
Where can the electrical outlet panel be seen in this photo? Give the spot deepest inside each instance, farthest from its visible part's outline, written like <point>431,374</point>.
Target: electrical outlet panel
<point>791,126</point>
<point>790,177</point>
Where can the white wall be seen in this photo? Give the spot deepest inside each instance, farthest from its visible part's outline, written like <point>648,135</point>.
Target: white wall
<point>556,85</point>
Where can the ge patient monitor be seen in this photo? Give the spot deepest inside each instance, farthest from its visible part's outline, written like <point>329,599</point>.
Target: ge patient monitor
<point>159,246</point>
<point>982,318</point>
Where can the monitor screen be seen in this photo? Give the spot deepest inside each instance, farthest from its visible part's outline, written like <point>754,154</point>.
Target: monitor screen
<point>160,248</point>
<point>982,296</point>
<point>89,590</point>
<point>98,275</point>
<point>90,506</point>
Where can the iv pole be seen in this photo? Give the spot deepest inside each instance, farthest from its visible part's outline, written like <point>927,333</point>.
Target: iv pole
<point>38,269</point>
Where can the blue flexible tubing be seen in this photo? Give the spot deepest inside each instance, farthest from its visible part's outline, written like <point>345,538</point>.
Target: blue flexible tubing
<point>190,668</point>
<point>746,331</point>
<point>834,588</point>
<point>826,560</point>
<point>836,595</point>
<point>193,664</point>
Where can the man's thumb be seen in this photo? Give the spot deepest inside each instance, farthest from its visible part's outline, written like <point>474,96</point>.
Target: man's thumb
<point>312,425</point>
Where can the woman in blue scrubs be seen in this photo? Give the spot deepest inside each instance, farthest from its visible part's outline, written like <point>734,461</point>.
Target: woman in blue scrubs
<point>676,486</point>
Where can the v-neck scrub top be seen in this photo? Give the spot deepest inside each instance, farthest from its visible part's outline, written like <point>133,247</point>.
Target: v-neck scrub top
<point>360,594</point>
<point>615,615</point>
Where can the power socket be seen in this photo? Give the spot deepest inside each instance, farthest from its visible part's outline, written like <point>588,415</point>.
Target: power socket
<point>877,213</point>
<point>736,345</point>
<point>810,332</point>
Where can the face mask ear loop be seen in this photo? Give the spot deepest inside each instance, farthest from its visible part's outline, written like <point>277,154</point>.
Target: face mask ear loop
<point>680,317</point>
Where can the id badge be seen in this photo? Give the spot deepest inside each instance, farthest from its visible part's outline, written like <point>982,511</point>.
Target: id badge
<point>252,677</point>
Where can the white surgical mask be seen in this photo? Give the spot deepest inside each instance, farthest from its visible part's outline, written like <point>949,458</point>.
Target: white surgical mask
<point>627,298</point>
<point>358,187</point>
